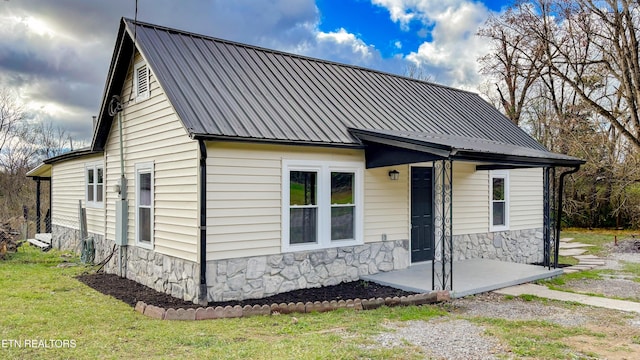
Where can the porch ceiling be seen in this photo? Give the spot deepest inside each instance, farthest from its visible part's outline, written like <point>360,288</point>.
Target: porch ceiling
<point>42,170</point>
<point>392,147</point>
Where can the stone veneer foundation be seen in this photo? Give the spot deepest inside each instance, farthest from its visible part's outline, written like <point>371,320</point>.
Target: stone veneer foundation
<point>518,246</point>
<point>176,277</point>
<point>262,276</point>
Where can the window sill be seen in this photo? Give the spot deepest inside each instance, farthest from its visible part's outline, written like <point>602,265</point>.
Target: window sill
<point>148,246</point>
<point>311,247</point>
<point>498,228</point>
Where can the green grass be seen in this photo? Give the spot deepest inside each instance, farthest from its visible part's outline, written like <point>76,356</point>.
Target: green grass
<point>41,301</point>
<point>597,237</point>
<point>534,338</point>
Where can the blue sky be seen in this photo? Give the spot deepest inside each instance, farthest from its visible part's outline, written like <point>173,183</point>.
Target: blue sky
<point>54,55</point>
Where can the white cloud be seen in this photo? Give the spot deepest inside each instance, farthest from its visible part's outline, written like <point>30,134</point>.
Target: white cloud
<point>56,54</point>
<point>451,52</point>
<point>345,45</point>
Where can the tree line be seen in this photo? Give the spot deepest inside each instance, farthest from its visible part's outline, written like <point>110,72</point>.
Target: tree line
<point>24,143</point>
<point>568,72</point>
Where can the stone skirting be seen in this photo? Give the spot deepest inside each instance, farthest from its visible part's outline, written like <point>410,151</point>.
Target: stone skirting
<point>518,246</point>
<point>176,277</point>
<point>262,276</point>
<point>65,238</point>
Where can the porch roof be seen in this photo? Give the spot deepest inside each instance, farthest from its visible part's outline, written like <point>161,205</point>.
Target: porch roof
<point>395,147</point>
<point>42,170</point>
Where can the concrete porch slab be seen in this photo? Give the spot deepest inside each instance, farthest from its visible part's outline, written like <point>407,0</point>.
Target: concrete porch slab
<point>469,276</point>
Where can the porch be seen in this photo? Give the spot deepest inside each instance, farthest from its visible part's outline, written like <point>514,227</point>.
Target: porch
<point>471,277</point>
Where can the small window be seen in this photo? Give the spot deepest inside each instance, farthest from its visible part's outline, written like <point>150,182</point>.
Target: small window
<point>94,179</point>
<point>499,201</point>
<point>141,81</point>
<point>342,206</point>
<point>144,205</point>
<point>303,215</point>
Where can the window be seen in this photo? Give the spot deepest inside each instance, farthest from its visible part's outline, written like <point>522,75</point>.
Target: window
<point>322,204</point>
<point>141,81</point>
<point>303,211</point>
<point>144,205</point>
<point>94,178</point>
<point>499,200</point>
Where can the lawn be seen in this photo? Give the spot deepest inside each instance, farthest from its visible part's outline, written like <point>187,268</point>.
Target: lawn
<point>43,304</point>
<point>41,301</point>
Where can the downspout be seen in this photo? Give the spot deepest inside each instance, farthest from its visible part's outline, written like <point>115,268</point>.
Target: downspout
<point>559,217</point>
<point>202,298</point>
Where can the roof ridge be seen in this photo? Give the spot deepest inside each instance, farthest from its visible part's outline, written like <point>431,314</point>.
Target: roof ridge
<point>284,53</point>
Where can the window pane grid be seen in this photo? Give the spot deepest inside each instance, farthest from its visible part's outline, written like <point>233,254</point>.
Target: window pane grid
<point>94,185</point>
<point>321,204</point>
<point>498,201</point>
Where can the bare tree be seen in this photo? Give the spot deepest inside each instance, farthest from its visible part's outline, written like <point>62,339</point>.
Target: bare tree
<point>567,71</point>
<point>416,72</point>
<point>592,46</point>
<point>11,114</point>
<point>514,61</point>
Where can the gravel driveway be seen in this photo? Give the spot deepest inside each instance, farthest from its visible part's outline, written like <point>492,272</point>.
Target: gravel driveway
<point>458,337</point>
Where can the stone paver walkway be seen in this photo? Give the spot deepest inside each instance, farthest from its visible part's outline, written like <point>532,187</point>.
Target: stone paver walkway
<point>585,262</point>
<point>544,292</point>
<point>576,250</point>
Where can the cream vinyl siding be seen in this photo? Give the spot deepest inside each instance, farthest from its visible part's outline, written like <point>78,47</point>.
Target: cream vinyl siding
<point>386,210</point>
<point>470,199</point>
<point>67,187</point>
<point>244,204</point>
<point>152,133</point>
<point>525,199</point>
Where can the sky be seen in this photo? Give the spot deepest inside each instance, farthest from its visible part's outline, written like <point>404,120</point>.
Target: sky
<point>55,54</point>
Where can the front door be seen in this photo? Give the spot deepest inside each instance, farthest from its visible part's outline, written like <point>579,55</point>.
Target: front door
<point>421,214</point>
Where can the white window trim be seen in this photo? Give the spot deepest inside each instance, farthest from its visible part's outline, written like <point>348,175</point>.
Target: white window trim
<point>94,166</point>
<point>145,94</point>
<point>504,175</point>
<point>324,169</point>
<point>145,168</point>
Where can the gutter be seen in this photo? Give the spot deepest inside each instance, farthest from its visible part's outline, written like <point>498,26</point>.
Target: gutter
<point>202,294</point>
<point>559,219</point>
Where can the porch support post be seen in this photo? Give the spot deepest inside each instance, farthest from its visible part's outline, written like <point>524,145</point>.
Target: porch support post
<point>442,265</point>
<point>547,228</point>
<point>37,205</point>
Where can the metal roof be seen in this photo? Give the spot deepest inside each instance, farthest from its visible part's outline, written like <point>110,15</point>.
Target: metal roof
<point>222,89</point>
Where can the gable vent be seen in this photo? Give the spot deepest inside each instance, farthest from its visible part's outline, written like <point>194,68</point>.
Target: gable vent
<point>141,81</point>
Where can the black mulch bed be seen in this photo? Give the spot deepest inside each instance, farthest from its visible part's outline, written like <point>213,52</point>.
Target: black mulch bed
<point>131,292</point>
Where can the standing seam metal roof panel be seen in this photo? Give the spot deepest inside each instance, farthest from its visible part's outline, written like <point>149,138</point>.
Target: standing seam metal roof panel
<point>225,89</point>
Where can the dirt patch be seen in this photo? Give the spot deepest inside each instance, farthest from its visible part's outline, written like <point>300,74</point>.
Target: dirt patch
<point>618,342</point>
<point>625,246</point>
<point>131,292</point>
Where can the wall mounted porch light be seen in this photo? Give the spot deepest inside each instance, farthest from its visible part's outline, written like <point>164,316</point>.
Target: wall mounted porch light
<point>394,175</point>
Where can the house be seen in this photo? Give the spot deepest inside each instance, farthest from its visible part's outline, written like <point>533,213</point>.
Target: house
<point>222,171</point>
